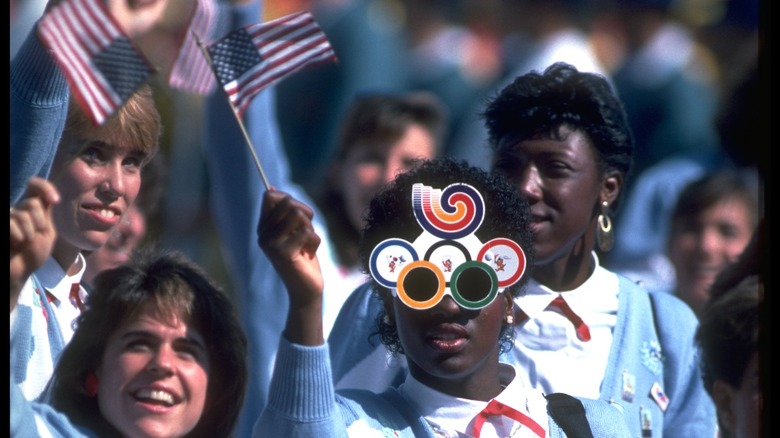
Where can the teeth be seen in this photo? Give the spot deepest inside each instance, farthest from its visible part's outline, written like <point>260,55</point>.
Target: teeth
<point>447,337</point>
<point>106,213</point>
<point>155,395</point>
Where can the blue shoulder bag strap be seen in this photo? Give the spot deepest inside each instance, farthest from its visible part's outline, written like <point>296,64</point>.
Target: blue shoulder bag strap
<point>569,413</point>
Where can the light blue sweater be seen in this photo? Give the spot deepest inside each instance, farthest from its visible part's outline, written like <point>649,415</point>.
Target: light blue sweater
<point>39,106</point>
<point>302,402</point>
<point>642,320</point>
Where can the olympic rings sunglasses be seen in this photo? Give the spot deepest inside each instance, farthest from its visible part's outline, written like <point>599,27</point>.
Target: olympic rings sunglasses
<point>421,285</point>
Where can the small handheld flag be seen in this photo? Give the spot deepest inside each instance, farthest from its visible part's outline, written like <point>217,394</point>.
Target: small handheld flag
<point>99,61</point>
<point>256,56</point>
<point>191,71</point>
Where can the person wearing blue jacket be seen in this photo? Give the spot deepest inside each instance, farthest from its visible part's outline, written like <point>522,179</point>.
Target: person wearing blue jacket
<point>448,246</point>
<point>38,96</point>
<point>236,191</point>
<point>96,169</point>
<point>159,352</point>
<point>562,138</point>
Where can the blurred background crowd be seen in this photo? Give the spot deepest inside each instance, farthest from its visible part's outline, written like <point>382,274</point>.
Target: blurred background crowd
<point>691,74</point>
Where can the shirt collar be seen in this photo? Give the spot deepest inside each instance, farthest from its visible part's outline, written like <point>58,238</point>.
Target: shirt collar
<point>54,279</point>
<point>590,296</point>
<point>455,415</point>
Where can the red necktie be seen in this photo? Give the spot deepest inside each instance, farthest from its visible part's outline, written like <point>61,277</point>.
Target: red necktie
<point>495,407</point>
<point>583,332</point>
<point>74,295</point>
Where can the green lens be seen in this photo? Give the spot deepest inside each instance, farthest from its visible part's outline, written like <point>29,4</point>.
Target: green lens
<point>474,285</point>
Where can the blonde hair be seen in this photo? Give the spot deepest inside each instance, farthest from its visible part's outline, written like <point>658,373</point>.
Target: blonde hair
<point>137,124</point>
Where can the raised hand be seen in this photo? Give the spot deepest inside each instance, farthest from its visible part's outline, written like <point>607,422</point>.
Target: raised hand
<point>32,232</point>
<point>287,236</point>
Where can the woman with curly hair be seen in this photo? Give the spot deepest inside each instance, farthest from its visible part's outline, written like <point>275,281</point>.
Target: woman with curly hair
<point>447,246</point>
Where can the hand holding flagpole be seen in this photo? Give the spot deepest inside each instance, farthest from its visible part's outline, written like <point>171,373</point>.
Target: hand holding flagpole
<point>249,59</point>
<point>238,118</point>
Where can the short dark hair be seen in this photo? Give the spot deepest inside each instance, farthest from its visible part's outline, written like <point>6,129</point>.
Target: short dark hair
<point>384,117</point>
<point>728,333</point>
<point>178,287</point>
<point>391,214</point>
<point>714,187</point>
<point>539,104</point>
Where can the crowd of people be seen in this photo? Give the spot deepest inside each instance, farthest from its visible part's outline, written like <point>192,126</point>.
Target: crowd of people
<point>520,219</point>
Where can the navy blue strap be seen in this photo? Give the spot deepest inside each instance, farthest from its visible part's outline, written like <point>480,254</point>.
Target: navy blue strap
<point>569,413</point>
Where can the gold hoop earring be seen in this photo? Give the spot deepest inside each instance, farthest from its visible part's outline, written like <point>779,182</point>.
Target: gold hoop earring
<point>604,235</point>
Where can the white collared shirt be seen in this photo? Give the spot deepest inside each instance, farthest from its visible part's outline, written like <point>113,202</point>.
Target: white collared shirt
<point>34,370</point>
<point>454,417</point>
<point>58,283</point>
<point>551,356</point>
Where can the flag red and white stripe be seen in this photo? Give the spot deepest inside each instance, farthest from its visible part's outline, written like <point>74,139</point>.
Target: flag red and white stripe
<point>191,71</point>
<point>101,64</point>
<point>256,56</point>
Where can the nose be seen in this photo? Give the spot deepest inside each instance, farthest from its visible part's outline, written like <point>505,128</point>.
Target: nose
<point>389,172</point>
<point>161,363</point>
<point>113,179</point>
<point>446,307</point>
<point>709,242</point>
<point>529,184</point>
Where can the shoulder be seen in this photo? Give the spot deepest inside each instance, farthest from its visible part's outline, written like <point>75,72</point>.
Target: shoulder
<point>40,419</point>
<point>361,304</point>
<point>605,419</point>
<point>672,306</point>
<point>577,416</point>
<point>387,411</point>
<point>664,306</point>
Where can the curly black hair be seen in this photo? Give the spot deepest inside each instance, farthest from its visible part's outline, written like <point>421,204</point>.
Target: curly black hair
<point>390,215</point>
<point>728,333</point>
<point>537,105</point>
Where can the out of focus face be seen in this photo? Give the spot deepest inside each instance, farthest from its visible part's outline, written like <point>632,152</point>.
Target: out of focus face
<point>120,244</point>
<point>701,246</point>
<point>153,377</point>
<point>368,167</point>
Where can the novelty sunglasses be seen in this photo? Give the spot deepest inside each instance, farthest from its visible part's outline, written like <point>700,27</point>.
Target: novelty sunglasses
<point>447,258</point>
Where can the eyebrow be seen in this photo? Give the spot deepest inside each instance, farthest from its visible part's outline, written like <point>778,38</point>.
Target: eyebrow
<point>146,334</point>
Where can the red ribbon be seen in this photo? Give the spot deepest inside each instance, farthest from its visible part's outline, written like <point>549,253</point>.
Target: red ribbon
<point>495,407</point>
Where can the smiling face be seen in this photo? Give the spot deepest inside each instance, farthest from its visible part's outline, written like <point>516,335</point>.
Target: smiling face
<point>368,167</point>
<point>153,377</point>
<point>118,248</point>
<point>701,245</point>
<point>452,349</point>
<point>561,180</point>
<point>98,181</point>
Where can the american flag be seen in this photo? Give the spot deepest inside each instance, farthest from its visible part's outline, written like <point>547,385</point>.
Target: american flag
<point>256,56</point>
<point>191,71</point>
<point>102,66</point>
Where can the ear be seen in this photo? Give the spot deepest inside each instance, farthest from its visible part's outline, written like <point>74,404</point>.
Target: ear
<point>509,308</point>
<point>722,394</point>
<point>611,185</point>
